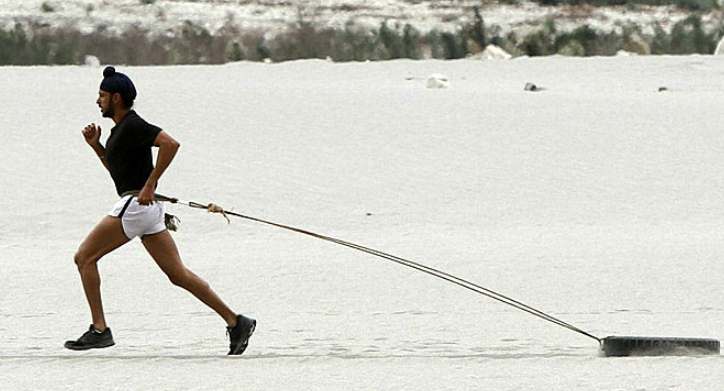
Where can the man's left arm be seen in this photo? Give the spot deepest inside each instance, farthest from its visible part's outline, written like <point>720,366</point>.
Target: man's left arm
<point>167,148</point>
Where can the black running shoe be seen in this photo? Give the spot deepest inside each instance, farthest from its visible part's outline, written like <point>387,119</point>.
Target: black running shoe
<point>92,339</point>
<point>240,334</point>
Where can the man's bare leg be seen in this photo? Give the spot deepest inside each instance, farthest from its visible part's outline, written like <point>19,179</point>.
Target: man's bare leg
<point>163,250</point>
<point>105,237</point>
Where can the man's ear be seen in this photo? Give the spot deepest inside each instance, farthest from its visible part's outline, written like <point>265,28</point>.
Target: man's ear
<point>116,98</point>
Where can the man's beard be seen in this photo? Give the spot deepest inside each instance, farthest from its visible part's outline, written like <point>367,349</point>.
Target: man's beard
<point>108,113</point>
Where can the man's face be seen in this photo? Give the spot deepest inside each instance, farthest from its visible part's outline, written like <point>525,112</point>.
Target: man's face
<point>105,102</point>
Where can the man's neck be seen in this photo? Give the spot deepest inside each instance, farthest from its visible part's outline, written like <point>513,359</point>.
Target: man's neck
<point>119,115</point>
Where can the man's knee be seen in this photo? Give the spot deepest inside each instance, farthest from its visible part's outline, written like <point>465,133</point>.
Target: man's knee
<point>179,279</point>
<point>83,259</point>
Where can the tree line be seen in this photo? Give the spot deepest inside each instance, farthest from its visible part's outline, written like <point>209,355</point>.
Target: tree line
<point>35,44</point>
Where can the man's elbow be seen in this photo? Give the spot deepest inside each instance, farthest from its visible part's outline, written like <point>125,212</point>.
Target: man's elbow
<point>172,144</point>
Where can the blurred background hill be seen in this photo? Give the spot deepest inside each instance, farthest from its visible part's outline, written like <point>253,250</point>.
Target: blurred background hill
<point>140,32</point>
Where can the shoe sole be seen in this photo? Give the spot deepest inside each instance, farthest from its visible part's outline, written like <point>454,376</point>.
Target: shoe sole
<point>72,346</point>
<point>242,346</point>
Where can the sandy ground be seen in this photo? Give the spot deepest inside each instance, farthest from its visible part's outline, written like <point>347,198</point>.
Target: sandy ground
<point>598,199</point>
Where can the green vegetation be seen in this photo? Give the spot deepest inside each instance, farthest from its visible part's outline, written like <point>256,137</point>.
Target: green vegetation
<point>689,5</point>
<point>47,7</point>
<point>193,44</point>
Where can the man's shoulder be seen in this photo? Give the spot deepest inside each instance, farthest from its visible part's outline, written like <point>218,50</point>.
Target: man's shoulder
<point>133,120</point>
<point>133,117</point>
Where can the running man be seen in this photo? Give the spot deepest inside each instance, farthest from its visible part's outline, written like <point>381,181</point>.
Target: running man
<point>127,156</point>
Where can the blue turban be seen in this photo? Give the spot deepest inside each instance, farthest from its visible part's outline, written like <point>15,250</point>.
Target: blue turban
<point>118,82</point>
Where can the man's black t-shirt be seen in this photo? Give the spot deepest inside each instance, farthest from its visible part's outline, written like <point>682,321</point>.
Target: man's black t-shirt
<point>128,152</point>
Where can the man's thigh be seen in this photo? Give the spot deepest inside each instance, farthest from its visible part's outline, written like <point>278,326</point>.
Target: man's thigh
<point>105,237</point>
<point>163,250</point>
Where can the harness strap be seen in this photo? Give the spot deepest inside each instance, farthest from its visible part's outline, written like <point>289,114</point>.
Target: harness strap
<point>120,215</point>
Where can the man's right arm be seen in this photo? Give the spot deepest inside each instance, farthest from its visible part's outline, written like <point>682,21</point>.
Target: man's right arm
<point>92,135</point>
<point>101,153</point>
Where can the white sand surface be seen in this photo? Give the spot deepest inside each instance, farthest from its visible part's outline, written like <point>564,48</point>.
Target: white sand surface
<point>597,199</point>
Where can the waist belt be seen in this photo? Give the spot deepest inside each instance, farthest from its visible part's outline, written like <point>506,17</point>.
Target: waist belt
<point>158,197</point>
<point>130,192</point>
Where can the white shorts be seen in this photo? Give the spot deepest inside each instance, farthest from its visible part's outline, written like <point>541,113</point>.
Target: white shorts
<point>137,219</point>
